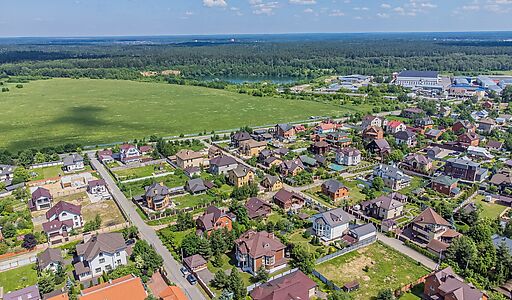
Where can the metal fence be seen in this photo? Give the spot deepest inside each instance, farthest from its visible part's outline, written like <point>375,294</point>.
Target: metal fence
<point>329,283</point>
<point>348,249</point>
<point>253,286</point>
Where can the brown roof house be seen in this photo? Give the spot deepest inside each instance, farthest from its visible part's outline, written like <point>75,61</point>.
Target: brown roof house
<point>157,196</point>
<point>251,147</point>
<point>271,183</point>
<point>335,190</point>
<point>418,163</point>
<point>198,186</point>
<point>195,263</point>
<point>432,229</point>
<point>50,260</point>
<point>256,250</point>
<point>446,285</point>
<point>291,167</point>
<point>257,208</point>
<point>486,125</point>
<point>380,147</point>
<point>62,218</point>
<point>41,199</point>
<point>294,286</point>
<point>238,137</point>
<point>321,147</point>
<point>385,207</point>
<point>240,176</point>
<point>406,137</point>
<point>463,126</point>
<point>445,185</point>
<point>373,133</point>
<point>469,138</point>
<point>288,200</point>
<point>188,158</point>
<point>213,219</point>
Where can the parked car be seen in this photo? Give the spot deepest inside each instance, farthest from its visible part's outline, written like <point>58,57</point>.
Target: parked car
<point>184,271</point>
<point>192,279</point>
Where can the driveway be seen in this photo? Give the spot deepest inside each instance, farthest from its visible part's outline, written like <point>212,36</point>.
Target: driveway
<point>400,247</point>
<point>147,233</point>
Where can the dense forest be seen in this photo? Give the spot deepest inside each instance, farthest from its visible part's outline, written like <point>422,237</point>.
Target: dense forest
<point>297,59</point>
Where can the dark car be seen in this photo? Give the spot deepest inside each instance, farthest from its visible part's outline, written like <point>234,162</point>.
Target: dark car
<point>192,279</point>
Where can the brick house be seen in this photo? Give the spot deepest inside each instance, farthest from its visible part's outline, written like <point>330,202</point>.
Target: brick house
<point>284,131</point>
<point>213,219</point>
<point>445,284</point>
<point>188,158</point>
<point>373,133</point>
<point>445,185</point>
<point>469,138</point>
<point>463,126</point>
<point>335,190</point>
<point>255,250</point>
<point>288,200</point>
<point>157,196</point>
<point>257,208</point>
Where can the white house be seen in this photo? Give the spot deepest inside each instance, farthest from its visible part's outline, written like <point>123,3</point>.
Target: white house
<point>374,121</point>
<point>41,199</point>
<point>363,232</point>
<point>331,224</point>
<point>61,219</point>
<point>392,176</point>
<point>50,260</point>
<point>73,162</point>
<point>129,153</point>
<point>348,156</point>
<point>102,253</point>
<point>98,188</point>
<point>412,79</point>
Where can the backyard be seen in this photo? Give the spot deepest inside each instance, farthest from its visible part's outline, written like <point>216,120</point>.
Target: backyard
<point>88,111</point>
<point>18,278</point>
<point>489,210</point>
<point>376,267</point>
<point>144,171</point>
<point>51,172</point>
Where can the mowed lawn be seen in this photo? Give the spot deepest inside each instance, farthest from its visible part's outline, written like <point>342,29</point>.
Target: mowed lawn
<point>87,111</point>
<point>489,210</point>
<point>18,278</point>
<point>385,269</point>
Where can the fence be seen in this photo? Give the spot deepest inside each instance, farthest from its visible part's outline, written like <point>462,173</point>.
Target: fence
<point>13,264</point>
<point>46,164</point>
<point>329,283</point>
<point>348,249</point>
<point>253,286</point>
<point>81,236</point>
<point>138,165</point>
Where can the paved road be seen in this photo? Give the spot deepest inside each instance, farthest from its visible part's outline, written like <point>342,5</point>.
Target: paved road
<point>400,247</point>
<point>171,266</point>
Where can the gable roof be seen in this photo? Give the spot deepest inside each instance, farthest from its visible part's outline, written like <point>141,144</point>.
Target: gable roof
<point>96,182</point>
<point>333,185</point>
<point>127,287</point>
<point>253,206</point>
<point>451,284</point>
<point>429,216</point>
<point>222,161</point>
<point>63,206</point>
<point>210,217</point>
<point>48,256</point>
<point>41,192</point>
<point>283,196</point>
<point>241,136</point>
<point>194,261</point>
<point>28,293</point>
<point>334,217</point>
<point>258,244</point>
<point>241,171</point>
<point>271,179</point>
<point>110,242</point>
<point>445,180</point>
<point>72,159</point>
<point>156,191</point>
<point>294,286</point>
<point>394,123</point>
<point>186,154</point>
<point>386,202</point>
<point>198,185</point>
<point>285,127</point>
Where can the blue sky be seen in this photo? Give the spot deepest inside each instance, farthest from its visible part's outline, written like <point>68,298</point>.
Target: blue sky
<point>171,17</point>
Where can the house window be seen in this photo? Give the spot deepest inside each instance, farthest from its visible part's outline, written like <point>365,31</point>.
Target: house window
<point>98,270</point>
<point>102,260</point>
<point>118,254</point>
<point>118,261</point>
<point>269,260</point>
<point>101,254</point>
<point>108,267</point>
<point>76,217</point>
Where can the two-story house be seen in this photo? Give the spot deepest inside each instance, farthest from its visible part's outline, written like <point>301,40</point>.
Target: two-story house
<point>348,156</point>
<point>157,196</point>
<point>257,208</point>
<point>445,284</point>
<point>429,227</point>
<point>445,185</point>
<point>271,183</point>
<point>213,219</point>
<point>6,173</point>
<point>385,207</point>
<point>256,250</point>
<point>62,218</point>
<point>284,131</point>
<point>395,126</point>
<point>372,133</point>
<point>129,153</point>
<point>222,164</point>
<point>332,224</point>
<point>374,121</point>
<point>418,163</point>
<point>41,199</point>
<point>296,286</point>
<point>101,253</point>
<point>291,167</point>
<point>50,260</point>
<point>406,137</point>
<point>188,158</point>
<point>240,176</point>
<point>465,169</point>
<point>463,126</point>
<point>98,187</point>
<point>335,190</point>
<point>73,162</point>
<point>251,147</point>
<point>288,200</point>
<point>238,137</point>
<point>393,177</point>
<point>469,138</point>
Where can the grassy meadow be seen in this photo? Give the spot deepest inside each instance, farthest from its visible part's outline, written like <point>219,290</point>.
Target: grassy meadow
<point>88,111</point>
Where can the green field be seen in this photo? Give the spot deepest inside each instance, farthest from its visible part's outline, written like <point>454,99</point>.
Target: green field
<point>489,210</point>
<point>140,172</point>
<point>58,111</point>
<point>18,278</point>
<point>376,267</point>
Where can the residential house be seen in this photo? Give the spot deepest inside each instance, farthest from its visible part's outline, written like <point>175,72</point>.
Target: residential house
<point>288,200</point>
<point>50,260</point>
<point>393,177</point>
<point>494,145</point>
<point>28,293</point>
<point>73,162</point>
<point>486,125</point>
<point>214,151</point>
<point>222,164</point>
<point>385,207</point>
<point>417,162</point>
<point>380,147</point>
<point>406,137</point>
<point>198,186</point>
<point>433,152</point>
<point>424,123</point>
<point>213,219</point>
<point>291,167</point>
<point>64,213</point>
<point>412,113</point>
<point>374,121</point>
<point>188,158</point>
<point>498,241</point>
<point>145,150</point>
<point>320,148</point>
<point>195,263</point>
<point>41,199</point>
<point>257,208</point>
<point>488,105</point>
<point>6,173</point>
<point>240,176</point>
<point>272,161</point>
<point>157,196</point>
<point>463,126</point>
<point>469,138</point>
<point>434,134</point>
<point>129,153</point>
<point>445,284</point>
<point>445,185</point>
<point>479,152</point>
<point>238,137</point>
<point>335,190</point>
<point>97,187</point>
<point>465,169</point>
<point>256,250</point>
<point>395,126</point>
<point>363,232</point>
<point>332,224</point>
<point>105,156</point>
<point>251,147</point>
<point>76,181</point>
<point>284,131</point>
<point>101,253</point>
<point>295,285</point>
<point>326,127</point>
<point>348,156</point>
<point>373,133</point>
<point>60,294</point>
<point>271,183</point>
<point>127,287</point>
<point>502,179</point>
<point>308,162</point>
<point>299,128</point>
<point>338,139</point>
<point>429,226</point>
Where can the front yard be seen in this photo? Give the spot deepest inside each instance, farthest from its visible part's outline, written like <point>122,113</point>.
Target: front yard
<point>376,267</point>
<point>18,278</point>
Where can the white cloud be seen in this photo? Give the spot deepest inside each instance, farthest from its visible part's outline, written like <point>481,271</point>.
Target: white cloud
<point>309,10</point>
<point>336,13</point>
<point>303,2</point>
<point>385,5</point>
<point>263,8</point>
<point>383,15</point>
<point>361,8</point>
<point>215,3</point>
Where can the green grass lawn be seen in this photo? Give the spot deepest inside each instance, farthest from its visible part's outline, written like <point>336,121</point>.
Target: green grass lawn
<point>489,210</point>
<point>192,200</point>
<point>386,269</point>
<point>355,195</point>
<point>18,278</point>
<point>88,111</point>
<point>141,172</point>
<point>297,239</point>
<point>416,182</point>
<point>137,188</point>
<point>50,172</point>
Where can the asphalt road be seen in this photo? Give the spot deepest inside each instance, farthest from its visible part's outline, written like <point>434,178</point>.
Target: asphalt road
<point>171,266</point>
